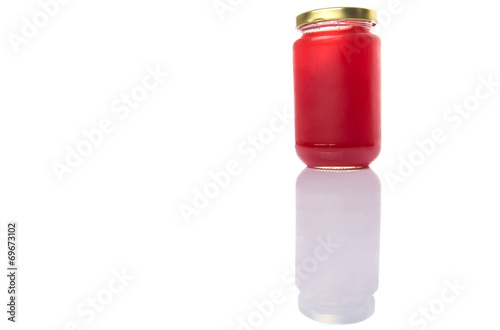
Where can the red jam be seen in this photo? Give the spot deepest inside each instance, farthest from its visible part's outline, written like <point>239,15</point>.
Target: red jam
<point>337,94</point>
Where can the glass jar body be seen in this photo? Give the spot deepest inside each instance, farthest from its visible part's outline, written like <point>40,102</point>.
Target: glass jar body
<point>337,94</point>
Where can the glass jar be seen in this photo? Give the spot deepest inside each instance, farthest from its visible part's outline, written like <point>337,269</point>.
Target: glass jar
<point>337,88</point>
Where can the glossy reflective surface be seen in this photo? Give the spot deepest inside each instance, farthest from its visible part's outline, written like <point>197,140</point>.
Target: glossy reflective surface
<point>337,244</point>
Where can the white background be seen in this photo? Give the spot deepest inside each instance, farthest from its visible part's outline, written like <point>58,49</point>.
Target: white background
<point>119,209</point>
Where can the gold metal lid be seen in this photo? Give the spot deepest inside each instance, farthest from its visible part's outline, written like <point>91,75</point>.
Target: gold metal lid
<point>337,13</point>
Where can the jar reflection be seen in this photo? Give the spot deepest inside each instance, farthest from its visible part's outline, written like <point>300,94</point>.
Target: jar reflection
<point>337,244</point>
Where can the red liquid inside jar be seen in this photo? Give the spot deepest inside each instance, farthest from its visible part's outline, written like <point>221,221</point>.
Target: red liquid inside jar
<point>337,94</point>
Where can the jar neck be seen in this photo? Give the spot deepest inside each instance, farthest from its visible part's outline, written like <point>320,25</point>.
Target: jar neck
<point>343,24</point>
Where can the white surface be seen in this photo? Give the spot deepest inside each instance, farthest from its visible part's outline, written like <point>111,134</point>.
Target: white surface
<point>119,209</point>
